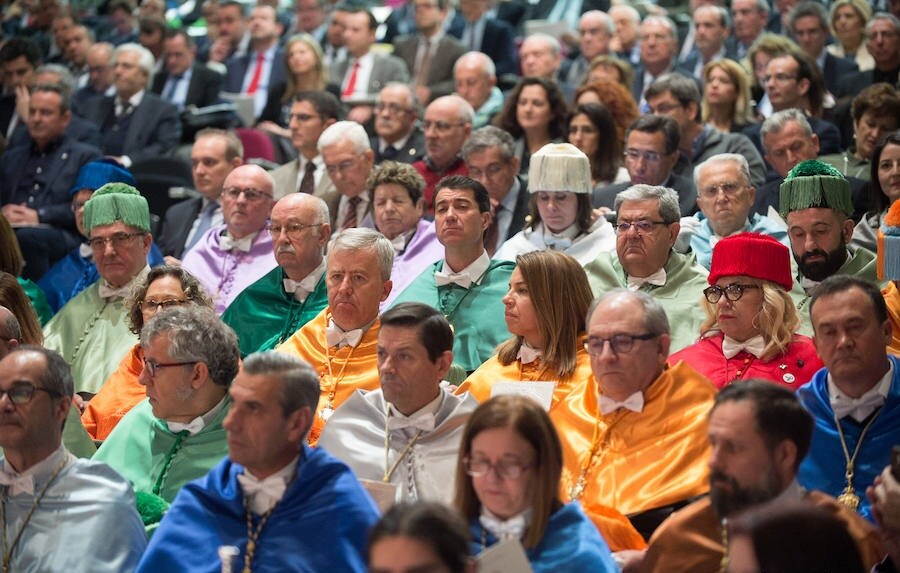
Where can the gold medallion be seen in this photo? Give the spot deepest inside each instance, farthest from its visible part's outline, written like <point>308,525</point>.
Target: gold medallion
<point>848,498</point>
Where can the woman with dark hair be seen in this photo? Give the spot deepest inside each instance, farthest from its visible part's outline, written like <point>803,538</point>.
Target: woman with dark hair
<point>590,126</point>
<point>165,286</point>
<point>507,487</point>
<point>884,189</point>
<point>535,114</point>
<point>12,262</point>
<point>422,536</point>
<point>13,297</point>
<point>617,99</point>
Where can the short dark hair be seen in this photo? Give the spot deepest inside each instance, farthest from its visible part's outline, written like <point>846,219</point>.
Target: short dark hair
<point>299,383</point>
<point>462,182</point>
<point>325,104</point>
<point>240,6</point>
<point>778,412</point>
<point>17,47</point>
<point>681,87</point>
<point>878,201</point>
<point>56,375</point>
<point>354,8</point>
<point>658,124</point>
<point>175,32</point>
<point>435,332</point>
<point>396,173</point>
<point>437,526</point>
<point>150,24</point>
<point>836,284</point>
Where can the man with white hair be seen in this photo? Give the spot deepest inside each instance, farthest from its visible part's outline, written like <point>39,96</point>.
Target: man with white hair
<point>710,26</point>
<point>749,19</point>
<point>476,82</point>
<point>348,159</point>
<point>540,56</point>
<point>595,30</point>
<point>135,124</point>
<point>659,45</point>
<point>625,42</point>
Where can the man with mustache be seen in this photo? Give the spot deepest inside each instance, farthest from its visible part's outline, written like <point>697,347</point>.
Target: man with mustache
<point>229,258</point>
<point>758,433</point>
<point>270,310</point>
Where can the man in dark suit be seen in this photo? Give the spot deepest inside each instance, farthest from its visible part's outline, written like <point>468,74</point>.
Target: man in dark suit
<point>809,24</point>
<point>397,137</point>
<point>262,67</point>
<point>595,31</point>
<point>214,155</point>
<point>19,58</point>
<point>566,10</point>
<point>479,33</point>
<point>134,124</point>
<point>184,81</point>
<point>35,181</point>
<point>490,155</point>
<point>749,18</point>
<point>659,45</point>
<point>651,152</point>
<point>883,42</point>
<point>710,30</point>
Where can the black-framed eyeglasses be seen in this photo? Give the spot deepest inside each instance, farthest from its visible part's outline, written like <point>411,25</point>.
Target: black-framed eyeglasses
<point>642,227</point>
<point>732,292</point>
<point>118,240</point>
<point>23,392</point>
<point>252,195</point>
<point>505,469</point>
<point>153,366</point>
<point>158,305</point>
<point>619,343</point>
<point>293,230</point>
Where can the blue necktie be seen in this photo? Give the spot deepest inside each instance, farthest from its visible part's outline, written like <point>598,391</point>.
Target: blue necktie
<point>205,224</point>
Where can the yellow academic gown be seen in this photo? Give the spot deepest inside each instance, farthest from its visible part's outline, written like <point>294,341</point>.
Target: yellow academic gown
<point>644,460</point>
<point>342,371</point>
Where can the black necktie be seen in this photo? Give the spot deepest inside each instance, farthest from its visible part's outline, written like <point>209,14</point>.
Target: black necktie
<point>390,152</point>
<point>308,183</point>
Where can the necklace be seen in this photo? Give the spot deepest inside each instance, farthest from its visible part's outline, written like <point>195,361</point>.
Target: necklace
<point>8,551</point>
<point>328,410</point>
<point>449,313</point>
<point>167,463</point>
<point>577,489</point>
<point>253,533</point>
<point>848,497</point>
<point>389,470</point>
<point>88,327</point>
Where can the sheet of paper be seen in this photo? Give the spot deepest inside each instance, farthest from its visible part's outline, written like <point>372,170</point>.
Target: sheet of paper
<point>504,557</point>
<point>384,494</point>
<point>540,391</point>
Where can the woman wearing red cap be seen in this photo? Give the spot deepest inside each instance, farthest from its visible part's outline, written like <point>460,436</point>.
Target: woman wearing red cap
<point>751,322</point>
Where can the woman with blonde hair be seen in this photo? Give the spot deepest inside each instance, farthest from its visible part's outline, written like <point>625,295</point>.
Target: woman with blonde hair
<point>848,25</point>
<point>750,330</point>
<point>726,103</point>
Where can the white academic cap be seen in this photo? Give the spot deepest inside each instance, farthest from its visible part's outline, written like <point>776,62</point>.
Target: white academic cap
<point>559,167</point>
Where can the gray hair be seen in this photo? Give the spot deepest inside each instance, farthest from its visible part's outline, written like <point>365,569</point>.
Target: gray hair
<point>805,9</point>
<point>762,6</point>
<point>490,136</point>
<point>655,320</point>
<point>299,383</point>
<point>197,333</point>
<point>722,13</point>
<point>668,200</point>
<point>64,93</point>
<point>779,120</point>
<point>63,75</point>
<point>486,63</point>
<point>145,59</point>
<point>410,94</point>
<point>882,16</point>
<point>9,326</point>
<point>682,88</point>
<point>627,9</point>
<point>361,239</point>
<point>555,47</point>
<point>740,160</point>
<point>341,131</point>
<point>607,21</point>
<point>56,375</point>
<point>464,109</point>
<point>666,22</point>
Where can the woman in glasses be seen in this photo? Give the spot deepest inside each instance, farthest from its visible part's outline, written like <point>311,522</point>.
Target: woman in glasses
<point>166,286</point>
<point>507,484</point>
<point>750,330</point>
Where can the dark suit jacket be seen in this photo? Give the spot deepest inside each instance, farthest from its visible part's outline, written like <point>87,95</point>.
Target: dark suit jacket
<point>521,210</point>
<point>204,87</point>
<point>79,129</point>
<point>542,9</point>
<point>385,69</point>
<point>176,226</point>
<point>413,151</point>
<point>236,69</point>
<point>155,128</point>
<point>836,72</point>
<point>637,89</point>
<point>53,201</point>
<point>498,42</point>
<point>687,194</point>
<point>440,71</point>
<point>732,48</point>
<point>829,136</point>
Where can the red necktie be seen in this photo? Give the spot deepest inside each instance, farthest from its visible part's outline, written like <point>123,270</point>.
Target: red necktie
<point>257,73</point>
<point>351,83</point>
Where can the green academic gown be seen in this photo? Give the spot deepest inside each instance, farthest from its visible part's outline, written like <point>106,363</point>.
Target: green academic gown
<point>264,315</point>
<point>155,460</point>
<point>92,335</point>
<point>38,300</point>
<point>680,296</point>
<point>476,313</point>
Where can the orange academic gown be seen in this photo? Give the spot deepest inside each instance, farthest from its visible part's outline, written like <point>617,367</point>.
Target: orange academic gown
<point>892,299</point>
<point>342,371</point>
<point>644,460</point>
<point>119,394</point>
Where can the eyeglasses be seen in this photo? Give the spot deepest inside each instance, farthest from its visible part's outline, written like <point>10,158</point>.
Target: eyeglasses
<point>117,241</point>
<point>492,171</point>
<point>252,195</point>
<point>664,108</point>
<point>730,190</point>
<point>619,343</point>
<point>390,107</point>
<point>440,126</point>
<point>648,156</point>
<point>152,367</point>
<point>23,392</point>
<point>505,469</point>
<point>303,116</point>
<point>293,230</point>
<point>780,78</point>
<point>732,292</point>
<point>341,167</point>
<point>642,227</point>
<point>157,305</point>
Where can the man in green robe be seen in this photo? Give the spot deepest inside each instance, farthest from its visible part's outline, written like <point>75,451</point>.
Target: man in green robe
<point>466,286</point>
<point>647,226</point>
<point>91,331</point>
<point>176,434</point>
<point>270,310</point>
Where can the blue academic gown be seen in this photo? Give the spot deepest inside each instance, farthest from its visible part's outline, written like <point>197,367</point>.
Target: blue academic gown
<point>74,273</point>
<point>320,524</point>
<point>571,544</point>
<point>823,468</point>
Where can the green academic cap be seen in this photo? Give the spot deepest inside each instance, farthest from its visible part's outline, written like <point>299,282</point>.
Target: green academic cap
<point>814,184</point>
<point>117,202</point>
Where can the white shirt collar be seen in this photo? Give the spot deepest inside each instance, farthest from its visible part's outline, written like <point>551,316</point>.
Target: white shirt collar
<point>474,272</point>
<point>262,495</point>
<point>196,425</point>
<point>860,408</point>
<point>306,285</point>
<point>108,291</point>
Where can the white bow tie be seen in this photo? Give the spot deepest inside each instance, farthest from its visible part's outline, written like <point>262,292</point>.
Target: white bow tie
<point>262,495</point>
<point>635,403</point>
<point>17,483</point>
<point>527,354</point>
<point>399,243</point>
<point>337,337</point>
<point>656,279</point>
<point>424,422</point>
<point>108,292</point>
<point>754,346</point>
<point>512,528</point>
<point>297,288</point>
<point>808,284</point>
<point>228,243</point>
<point>857,408</point>
<point>442,279</point>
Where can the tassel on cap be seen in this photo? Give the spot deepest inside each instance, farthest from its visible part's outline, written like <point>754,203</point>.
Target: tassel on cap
<point>117,202</point>
<point>814,184</point>
<point>889,245</point>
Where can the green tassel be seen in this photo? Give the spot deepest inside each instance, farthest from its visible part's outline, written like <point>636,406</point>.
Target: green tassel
<point>117,202</point>
<point>151,507</point>
<point>814,184</point>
